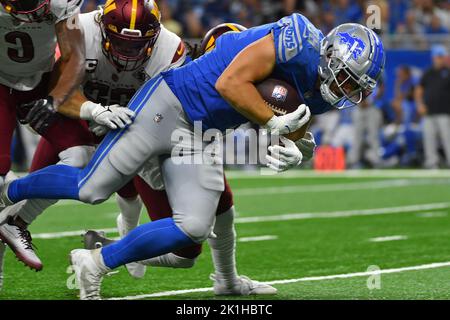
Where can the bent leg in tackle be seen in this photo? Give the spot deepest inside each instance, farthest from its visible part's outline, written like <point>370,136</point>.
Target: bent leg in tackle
<point>193,192</point>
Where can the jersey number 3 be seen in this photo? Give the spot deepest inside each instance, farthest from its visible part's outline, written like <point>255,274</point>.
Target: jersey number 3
<point>23,50</point>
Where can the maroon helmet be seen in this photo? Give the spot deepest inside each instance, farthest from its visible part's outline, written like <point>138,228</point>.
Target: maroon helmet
<point>130,29</point>
<point>209,40</point>
<point>27,10</point>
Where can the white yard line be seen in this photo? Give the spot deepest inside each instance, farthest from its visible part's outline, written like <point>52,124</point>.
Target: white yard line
<point>347,213</point>
<point>388,238</point>
<point>288,217</point>
<point>288,281</point>
<point>259,238</point>
<point>64,234</point>
<point>385,173</point>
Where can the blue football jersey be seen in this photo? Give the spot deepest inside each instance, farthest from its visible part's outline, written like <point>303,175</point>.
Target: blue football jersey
<point>297,44</point>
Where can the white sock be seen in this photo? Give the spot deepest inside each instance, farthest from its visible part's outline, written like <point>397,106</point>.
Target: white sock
<point>29,210</point>
<point>170,260</point>
<point>223,247</point>
<point>131,211</point>
<point>98,258</point>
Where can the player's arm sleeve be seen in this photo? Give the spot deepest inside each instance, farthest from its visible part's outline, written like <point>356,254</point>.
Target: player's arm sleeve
<point>237,82</point>
<point>288,41</point>
<point>69,72</point>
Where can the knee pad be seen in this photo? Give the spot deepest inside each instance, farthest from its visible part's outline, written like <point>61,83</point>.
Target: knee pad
<point>195,228</point>
<point>93,195</point>
<point>77,157</point>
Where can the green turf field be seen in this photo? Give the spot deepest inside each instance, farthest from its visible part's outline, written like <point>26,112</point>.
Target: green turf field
<point>320,234</point>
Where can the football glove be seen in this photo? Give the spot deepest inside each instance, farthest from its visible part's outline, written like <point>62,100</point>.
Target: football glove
<point>284,157</point>
<point>290,122</point>
<point>113,117</point>
<point>307,146</point>
<point>40,114</point>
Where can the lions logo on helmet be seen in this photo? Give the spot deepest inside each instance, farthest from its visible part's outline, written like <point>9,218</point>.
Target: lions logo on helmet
<point>352,60</point>
<point>130,30</point>
<point>355,46</point>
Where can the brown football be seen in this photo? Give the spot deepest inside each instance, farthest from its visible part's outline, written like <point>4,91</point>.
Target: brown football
<point>279,95</point>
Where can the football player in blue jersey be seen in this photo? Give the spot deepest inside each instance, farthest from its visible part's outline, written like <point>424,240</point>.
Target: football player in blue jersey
<point>217,91</point>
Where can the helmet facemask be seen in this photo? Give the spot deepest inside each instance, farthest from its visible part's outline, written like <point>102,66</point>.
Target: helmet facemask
<point>129,49</point>
<point>27,11</point>
<point>348,55</point>
<point>340,87</point>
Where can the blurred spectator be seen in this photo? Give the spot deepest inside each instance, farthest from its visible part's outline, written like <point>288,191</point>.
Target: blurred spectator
<point>167,18</point>
<point>435,26</point>
<point>367,122</point>
<point>427,10</point>
<point>398,10</point>
<point>433,101</point>
<point>91,5</point>
<point>405,138</point>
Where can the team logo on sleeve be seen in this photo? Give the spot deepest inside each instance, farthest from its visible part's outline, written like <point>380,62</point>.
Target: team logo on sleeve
<point>280,93</point>
<point>354,44</point>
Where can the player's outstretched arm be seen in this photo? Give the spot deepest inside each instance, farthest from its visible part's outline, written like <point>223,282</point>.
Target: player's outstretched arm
<point>111,117</point>
<point>237,86</point>
<point>69,72</point>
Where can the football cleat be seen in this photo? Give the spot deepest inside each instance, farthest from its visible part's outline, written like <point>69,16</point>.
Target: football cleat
<point>243,286</point>
<point>4,201</point>
<point>20,241</point>
<point>89,273</point>
<point>135,269</point>
<point>2,258</point>
<point>95,240</point>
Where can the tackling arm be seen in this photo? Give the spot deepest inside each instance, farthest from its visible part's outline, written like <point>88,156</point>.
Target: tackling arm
<point>69,72</point>
<point>72,107</point>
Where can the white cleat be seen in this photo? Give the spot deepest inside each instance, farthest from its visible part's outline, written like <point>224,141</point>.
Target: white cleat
<point>243,286</point>
<point>4,201</point>
<point>20,241</point>
<point>135,269</point>
<point>89,273</point>
<point>2,259</point>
